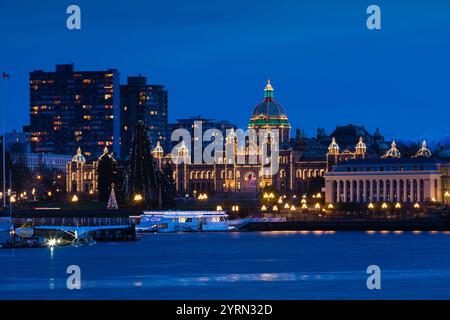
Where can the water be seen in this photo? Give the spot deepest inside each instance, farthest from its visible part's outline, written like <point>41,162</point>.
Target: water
<point>265,265</point>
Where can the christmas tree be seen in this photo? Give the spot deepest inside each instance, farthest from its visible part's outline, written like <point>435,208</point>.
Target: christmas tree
<point>142,181</point>
<point>112,202</point>
<point>107,174</point>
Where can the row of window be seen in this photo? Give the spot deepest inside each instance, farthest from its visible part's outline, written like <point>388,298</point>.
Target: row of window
<point>381,168</point>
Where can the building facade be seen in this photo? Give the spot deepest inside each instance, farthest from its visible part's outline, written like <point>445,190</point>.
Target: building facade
<point>81,176</point>
<point>198,124</point>
<point>35,161</point>
<point>70,108</point>
<point>390,178</point>
<point>147,102</point>
<point>300,169</point>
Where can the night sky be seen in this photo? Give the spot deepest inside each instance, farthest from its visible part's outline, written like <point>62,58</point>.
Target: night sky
<point>214,57</point>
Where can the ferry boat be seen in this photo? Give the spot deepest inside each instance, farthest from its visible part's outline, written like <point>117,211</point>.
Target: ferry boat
<point>183,221</point>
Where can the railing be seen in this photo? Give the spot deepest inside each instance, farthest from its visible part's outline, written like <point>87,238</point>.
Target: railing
<point>79,222</point>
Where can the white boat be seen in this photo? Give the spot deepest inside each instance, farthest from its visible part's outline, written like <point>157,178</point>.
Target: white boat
<point>183,221</point>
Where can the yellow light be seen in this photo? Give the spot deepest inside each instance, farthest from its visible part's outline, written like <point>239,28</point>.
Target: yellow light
<point>370,206</point>
<point>293,208</point>
<point>319,195</point>
<point>286,206</point>
<point>219,208</point>
<point>384,205</point>
<point>304,206</point>
<point>33,191</point>
<point>49,193</point>
<point>38,177</point>
<point>280,200</point>
<point>416,205</point>
<point>271,195</point>
<point>263,208</point>
<point>447,194</point>
<point>275,208</point>
<point>433,199</point>
<point>12,199</point>
<point>398,205</point>
<point>330,206</point>
<point>265,196</point>
<point>74,198</point>
<point>137,197</point>
<point>317,205</point>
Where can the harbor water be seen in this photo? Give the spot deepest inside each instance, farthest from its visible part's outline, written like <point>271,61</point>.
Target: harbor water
<point>236,265</point>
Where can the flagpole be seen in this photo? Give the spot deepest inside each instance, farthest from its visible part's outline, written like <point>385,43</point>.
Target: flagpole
<point>4,140</point>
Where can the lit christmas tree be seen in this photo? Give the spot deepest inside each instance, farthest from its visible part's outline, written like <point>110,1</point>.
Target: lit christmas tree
<point>142,183</point>
<point>112,202</point>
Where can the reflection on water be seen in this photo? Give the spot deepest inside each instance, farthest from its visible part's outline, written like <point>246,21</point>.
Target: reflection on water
<point>265,265</point>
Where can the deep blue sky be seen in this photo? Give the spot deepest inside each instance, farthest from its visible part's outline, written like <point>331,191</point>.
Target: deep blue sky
<point>214,57</point>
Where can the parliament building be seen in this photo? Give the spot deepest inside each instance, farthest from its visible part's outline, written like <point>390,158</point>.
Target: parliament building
<point>301,168</point>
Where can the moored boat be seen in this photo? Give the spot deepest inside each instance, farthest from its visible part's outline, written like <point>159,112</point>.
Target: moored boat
<point>183,221</point>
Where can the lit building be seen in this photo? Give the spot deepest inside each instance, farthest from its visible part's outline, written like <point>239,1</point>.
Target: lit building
<point>387,179</point>
<point>146,102</point>
<point>301,168</point>
<point>71,108</point>
<point>35,161</point>
<point>81,176</point>
<point>201,124</point>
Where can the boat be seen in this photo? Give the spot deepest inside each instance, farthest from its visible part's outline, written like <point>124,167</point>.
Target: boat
<point>183,221</point>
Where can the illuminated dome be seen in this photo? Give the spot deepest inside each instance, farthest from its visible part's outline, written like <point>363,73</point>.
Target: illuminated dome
<point>333,148</point>
<point>424,151</point>
<point>392,152</point>
<point>360,146</point>
<point>158,152</point>
<point>183,150</point>
<point>269,113</point>
<point>79,157</point>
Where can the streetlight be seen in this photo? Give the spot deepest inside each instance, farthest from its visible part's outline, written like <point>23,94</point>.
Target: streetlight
<point>275,208</point>
<point>137,197</point>
<point>219,208</point>
<point>74,200</point>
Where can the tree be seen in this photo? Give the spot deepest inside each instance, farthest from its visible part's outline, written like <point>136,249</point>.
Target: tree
<point>167,184</point>
<point>142,173</point>
<point>107,174</point>
<point>112,202</point>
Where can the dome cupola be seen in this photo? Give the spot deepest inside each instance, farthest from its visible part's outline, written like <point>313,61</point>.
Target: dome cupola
<point>269,114</point>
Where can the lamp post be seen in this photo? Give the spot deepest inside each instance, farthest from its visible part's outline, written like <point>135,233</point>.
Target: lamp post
<point>74,201</point>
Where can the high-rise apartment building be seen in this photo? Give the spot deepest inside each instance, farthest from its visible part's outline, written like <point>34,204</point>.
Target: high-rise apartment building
<point>71,109</point>
<point>147,102</point>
